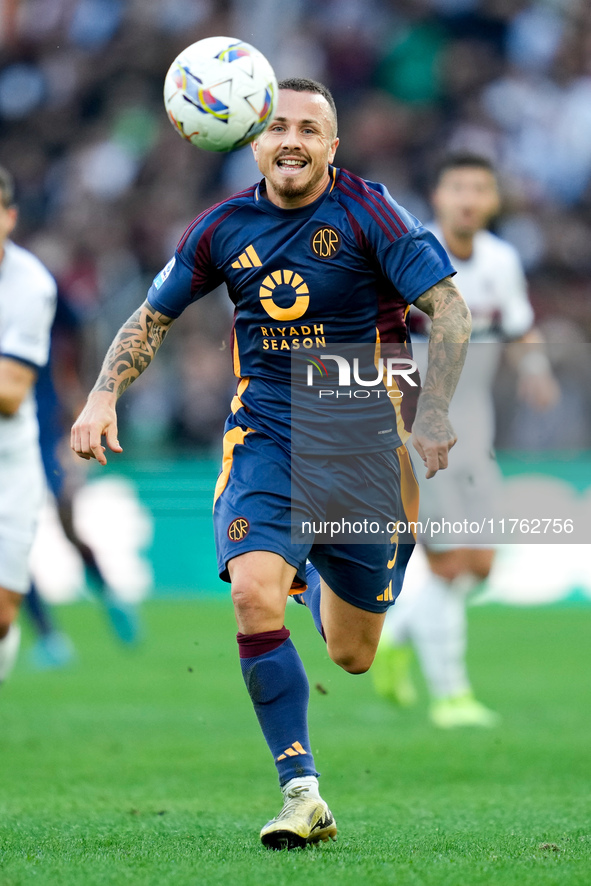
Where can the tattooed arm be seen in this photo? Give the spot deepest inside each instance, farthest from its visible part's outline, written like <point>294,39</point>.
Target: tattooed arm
<point>131,351</point>
<point>433,435</point>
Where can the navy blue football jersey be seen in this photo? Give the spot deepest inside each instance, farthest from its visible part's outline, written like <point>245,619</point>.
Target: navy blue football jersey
<point>335,271</point>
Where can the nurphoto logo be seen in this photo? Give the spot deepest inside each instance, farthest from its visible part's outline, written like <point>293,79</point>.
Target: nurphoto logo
<point>385,380</point>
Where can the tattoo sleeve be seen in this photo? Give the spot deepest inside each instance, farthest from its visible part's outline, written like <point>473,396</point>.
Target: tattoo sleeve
<point>448,342</point>
<point>132,349</point>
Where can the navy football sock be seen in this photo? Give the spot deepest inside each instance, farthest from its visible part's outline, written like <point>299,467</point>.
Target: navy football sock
<point>278,687</point>
<point>311,597</point>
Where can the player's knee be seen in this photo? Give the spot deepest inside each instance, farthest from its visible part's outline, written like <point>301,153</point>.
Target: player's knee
<point>246,595</point>
<point>353,662</point>
<point>253,602</point>
<point>354,665</point>
<point>481,571</point>
<point>481,564</point>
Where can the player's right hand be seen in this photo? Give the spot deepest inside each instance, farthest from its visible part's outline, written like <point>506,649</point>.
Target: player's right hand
<point>97,419</point>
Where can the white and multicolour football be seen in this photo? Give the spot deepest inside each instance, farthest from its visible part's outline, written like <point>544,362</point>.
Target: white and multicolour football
<point>220,93</point>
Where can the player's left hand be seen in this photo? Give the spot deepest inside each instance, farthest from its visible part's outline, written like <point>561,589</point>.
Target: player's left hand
<point>98,419</point>
<point>433,437</point>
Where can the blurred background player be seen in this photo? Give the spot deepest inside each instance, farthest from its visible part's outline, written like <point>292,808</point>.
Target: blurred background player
<point>58,393</point>
<point>27,307</point>
<point>431,612</point>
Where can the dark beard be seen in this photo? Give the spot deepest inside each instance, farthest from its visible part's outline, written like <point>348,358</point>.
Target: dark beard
<point>290,188</point>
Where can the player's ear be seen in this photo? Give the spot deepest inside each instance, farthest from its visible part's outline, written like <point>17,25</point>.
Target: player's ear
<point>255,147</point>
<point>333,149</point>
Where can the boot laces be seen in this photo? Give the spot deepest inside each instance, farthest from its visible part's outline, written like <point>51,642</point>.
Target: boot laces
<point>292,798</point>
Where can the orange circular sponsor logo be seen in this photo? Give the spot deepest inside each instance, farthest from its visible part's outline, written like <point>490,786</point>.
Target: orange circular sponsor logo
<point>238,529</point>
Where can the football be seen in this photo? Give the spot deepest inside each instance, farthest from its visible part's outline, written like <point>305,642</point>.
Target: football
<point>220,93</point>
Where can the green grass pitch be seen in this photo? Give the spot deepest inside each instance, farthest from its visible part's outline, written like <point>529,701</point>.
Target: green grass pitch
<point>146,766</point>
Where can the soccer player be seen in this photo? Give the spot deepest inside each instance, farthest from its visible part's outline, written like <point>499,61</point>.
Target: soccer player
<point>431,614</point>
<point>309,252</point>
<point>27,306</point>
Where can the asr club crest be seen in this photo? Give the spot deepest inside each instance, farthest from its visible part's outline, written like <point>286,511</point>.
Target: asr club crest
<point>238,529</point>
<point>325,242</point>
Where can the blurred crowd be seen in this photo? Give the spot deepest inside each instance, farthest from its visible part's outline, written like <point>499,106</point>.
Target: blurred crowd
<point>106,187</point>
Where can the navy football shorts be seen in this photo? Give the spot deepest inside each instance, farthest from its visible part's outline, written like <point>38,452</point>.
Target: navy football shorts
<point>263,502</point>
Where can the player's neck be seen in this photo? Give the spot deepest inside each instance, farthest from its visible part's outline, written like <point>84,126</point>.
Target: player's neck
<point>298,201</point>
<point>461,246</point>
